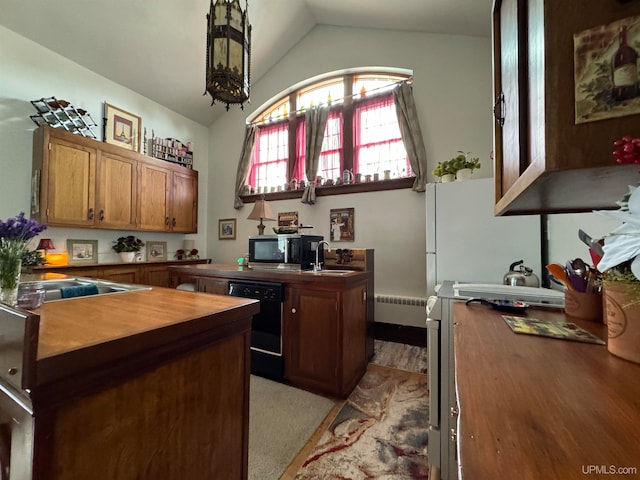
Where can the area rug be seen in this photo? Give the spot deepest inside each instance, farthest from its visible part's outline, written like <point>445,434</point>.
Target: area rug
<point>281,420</point>
<point>400,356</point>
<point>380,433</point>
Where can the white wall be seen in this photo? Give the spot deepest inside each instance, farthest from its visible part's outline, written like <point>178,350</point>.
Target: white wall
<point>452,88</point>
<point>29,71</point>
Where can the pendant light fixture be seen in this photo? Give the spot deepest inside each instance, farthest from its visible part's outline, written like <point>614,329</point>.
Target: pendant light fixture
<point>228,75</point>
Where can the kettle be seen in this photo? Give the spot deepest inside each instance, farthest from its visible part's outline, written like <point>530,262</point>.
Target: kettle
<point>520,275</point>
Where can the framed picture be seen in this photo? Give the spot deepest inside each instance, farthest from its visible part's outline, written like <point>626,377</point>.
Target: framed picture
<point>227,229</point>
<point>287,219</point>
<point>156,250</point>
<point>122,128</point>
<point>341,224</point>
<point>82,251</point>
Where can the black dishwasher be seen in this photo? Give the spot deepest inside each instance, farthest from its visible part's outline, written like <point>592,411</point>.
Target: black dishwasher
<point>266,328</point>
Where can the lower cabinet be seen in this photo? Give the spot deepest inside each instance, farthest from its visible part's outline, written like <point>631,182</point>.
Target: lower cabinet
<point>123,275</point>
<point>324,338</point>
<point>218,286</point>
<point>155,274</point>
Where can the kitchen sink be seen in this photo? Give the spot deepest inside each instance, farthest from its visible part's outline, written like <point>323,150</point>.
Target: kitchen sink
<point>68,288</point>
<point>329,272</point>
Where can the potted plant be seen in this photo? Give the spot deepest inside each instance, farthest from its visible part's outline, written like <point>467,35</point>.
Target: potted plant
<point>180,254</point>
<point>127,247</point>
<point>620,278</point>
<point>445,170</point>
<point>465,165</point>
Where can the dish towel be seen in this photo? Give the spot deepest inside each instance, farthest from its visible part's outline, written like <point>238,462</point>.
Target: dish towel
<point>78,291</point>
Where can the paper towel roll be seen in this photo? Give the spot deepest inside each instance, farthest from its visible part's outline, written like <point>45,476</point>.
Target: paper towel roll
<point>189,245</point>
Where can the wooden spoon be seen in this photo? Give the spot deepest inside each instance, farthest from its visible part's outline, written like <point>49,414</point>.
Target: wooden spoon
<point>559,274</point>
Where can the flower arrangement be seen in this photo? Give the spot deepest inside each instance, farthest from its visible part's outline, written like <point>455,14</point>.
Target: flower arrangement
<point>15,234</point>
<point>621,259</point>
<point>128,244</point>
<point>179,254</point>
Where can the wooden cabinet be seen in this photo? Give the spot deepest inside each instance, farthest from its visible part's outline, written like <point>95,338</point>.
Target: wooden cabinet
<point>67,183</point>
<point>168,199</point>
<point>544,161</point>
<point>155,274</point>
<point>122,274</point>
<point>79,182</point>
<point>117,191</point>
<point>325,333</point>
<point>218,286</point>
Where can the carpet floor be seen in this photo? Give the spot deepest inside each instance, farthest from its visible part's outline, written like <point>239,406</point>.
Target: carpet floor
<point>281,421</point>
<point>401,356</point>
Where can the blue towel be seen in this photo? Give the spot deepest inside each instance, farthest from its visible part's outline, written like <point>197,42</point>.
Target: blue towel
<point>78,291</point>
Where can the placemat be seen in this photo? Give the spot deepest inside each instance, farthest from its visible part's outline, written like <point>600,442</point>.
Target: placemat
<point>561,330</point>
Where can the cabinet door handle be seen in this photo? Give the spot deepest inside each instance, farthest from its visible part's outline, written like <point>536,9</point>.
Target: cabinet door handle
<point>293,310</point>
<point>101,215</point>
<point>91,214</point>
<point>174,222</point>
<point>498,109</point>
<point>166,221</point>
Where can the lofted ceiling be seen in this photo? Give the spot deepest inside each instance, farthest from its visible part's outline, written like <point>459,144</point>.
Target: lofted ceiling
<point>157,47</point>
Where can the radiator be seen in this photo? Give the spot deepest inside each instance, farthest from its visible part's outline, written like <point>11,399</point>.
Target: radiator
<point>401,300</point>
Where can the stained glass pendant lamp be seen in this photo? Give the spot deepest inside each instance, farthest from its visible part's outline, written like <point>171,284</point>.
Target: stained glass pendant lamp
<point>228,75</point>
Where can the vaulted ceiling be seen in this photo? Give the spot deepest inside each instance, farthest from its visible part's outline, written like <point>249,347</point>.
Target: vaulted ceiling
<point>157,47</point>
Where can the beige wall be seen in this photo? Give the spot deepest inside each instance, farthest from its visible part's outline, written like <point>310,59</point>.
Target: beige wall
<point>29,71</point>
<point>452,88</point>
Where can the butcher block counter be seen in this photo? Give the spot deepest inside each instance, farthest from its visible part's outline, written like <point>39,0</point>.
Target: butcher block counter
<point>144,384</point>
<point>533,407</point>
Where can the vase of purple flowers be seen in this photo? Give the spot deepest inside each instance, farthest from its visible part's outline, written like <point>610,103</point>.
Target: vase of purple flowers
<point>15,235</point>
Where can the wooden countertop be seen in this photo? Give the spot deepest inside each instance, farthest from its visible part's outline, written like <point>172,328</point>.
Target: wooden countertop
<point>541,408</point>
<point>246,273</point>
<point>86,333</point>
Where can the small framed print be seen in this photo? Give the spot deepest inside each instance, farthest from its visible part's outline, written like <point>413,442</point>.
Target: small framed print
<point>122,128</point>
<point>82,251</point>
<point>156,250</point>
<point>341,224</point>
<point>227,229</point>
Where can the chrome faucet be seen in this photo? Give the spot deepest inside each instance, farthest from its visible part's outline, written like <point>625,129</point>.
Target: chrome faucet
<point>316,266</point>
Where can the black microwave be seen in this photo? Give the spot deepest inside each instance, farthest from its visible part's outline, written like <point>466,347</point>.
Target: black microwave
<point>284,252</point>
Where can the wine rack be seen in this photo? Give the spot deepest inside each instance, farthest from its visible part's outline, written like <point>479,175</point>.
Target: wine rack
<point>172,150</point>
<point>61,114</point>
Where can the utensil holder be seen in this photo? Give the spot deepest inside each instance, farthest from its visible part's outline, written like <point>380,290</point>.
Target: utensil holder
<point>587,306</point>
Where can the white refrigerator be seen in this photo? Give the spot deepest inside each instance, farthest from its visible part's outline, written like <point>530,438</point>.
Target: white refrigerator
<point>467,243</point>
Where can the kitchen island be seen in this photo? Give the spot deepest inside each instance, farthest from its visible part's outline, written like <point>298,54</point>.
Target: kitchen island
<point>144,384</point>
<point>325,326</point>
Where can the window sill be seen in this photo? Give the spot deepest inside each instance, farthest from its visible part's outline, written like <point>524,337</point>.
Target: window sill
<point>380,185</point>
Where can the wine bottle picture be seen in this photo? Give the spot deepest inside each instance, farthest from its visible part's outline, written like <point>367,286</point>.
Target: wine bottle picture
<point>624,69</point>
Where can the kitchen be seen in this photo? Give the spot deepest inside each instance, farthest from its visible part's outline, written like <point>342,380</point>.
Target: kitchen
<point>441,63</point>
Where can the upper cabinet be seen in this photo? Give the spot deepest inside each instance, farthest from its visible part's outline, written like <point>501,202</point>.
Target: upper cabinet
<point>80,182</point>
<point>545,160</point>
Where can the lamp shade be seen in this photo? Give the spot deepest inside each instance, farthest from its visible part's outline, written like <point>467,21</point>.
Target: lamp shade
<point>261,211</point>
<point>45,244</point>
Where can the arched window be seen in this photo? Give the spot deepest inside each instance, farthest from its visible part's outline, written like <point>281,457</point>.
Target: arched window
<point>362,134</point>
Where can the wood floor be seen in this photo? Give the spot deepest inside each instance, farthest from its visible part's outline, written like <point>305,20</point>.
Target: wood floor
<point>390,354</point>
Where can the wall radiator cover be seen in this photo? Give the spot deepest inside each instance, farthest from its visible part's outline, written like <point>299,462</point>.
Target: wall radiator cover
<point>401,300</point>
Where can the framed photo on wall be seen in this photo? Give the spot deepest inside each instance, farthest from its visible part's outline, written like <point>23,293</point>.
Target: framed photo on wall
<point>156,250</point>
<point>341,224</point>
<point>122,128</point>
<point>227,229</point>
<point>82,251</point>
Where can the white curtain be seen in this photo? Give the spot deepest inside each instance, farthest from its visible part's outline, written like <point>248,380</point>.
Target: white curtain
<point>411,134</point>
<point>244,165</point>
<point>315,123</point>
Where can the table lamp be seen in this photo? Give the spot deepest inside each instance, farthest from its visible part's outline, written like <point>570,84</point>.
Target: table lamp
<point>45,244</point>
<point>261,211</point>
